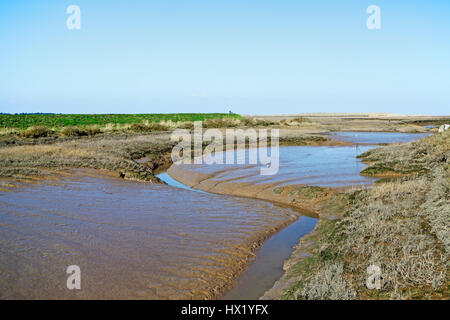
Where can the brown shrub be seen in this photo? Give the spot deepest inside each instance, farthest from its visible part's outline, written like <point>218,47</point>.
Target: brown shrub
<point>301,120</point>
<point>73,131</point>
<point>248,121</point>
<point>186,125</point>
<point>140,127</point>
<point>220,123</point>
<point>93,131</point>
<point>264,123</point>
<point>156,126</point>
<point>36,132</point>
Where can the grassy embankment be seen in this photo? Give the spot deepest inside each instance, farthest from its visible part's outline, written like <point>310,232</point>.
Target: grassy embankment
<point>16,129</point>
<point>400,224</point>
<point>43,125</point>
<point>23,121</point>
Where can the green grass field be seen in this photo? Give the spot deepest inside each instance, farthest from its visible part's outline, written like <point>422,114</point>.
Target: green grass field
<point>23,121</point>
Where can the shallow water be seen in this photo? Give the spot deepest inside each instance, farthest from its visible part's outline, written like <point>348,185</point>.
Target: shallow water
<point>268,266</point>
<point>320,166</point>
<point>131,240</point>
<point>298,165</point>
<point>377,137</point>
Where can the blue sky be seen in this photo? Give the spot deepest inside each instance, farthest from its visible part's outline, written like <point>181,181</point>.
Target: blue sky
<point>256,57</point>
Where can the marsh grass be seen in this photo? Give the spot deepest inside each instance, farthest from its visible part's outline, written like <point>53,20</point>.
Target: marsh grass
<point>114,153</point>
<point>309,192</point>
<point>400,225</point>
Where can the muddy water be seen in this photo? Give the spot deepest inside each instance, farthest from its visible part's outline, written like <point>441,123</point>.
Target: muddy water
<point>131,240</point>
<point>268,265</point>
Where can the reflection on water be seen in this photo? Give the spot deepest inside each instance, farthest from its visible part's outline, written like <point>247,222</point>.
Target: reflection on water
<point>174,183</point>
<point>306,165</point>
<point>321,166</point>
<point>131,240</point>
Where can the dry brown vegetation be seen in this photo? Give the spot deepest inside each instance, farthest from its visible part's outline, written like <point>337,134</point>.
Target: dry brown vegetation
<point>115,153</point>
<point>36,132</point>
<point>402,226</point>
<point>73,131</point>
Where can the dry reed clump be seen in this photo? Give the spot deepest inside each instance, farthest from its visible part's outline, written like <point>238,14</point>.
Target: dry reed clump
<point>73,131</point>
<point>327,284</point>
<point>36,132</point>
<point>9,131</point>
<point>151,127</point>
<point>140,127</point>
<point>248,121</point>
<point>436,208</point>
<point>388,229</point>
<point>189,125</point>
<point>221,123</point>
<point>253,122</point>
<point>298,122</point>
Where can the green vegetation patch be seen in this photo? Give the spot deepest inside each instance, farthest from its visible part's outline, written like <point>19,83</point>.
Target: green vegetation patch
<point>24,121</point>
<point>309,192</point>
<point>386,169</point>
<point>301,141</point>
<point>278,190</point>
